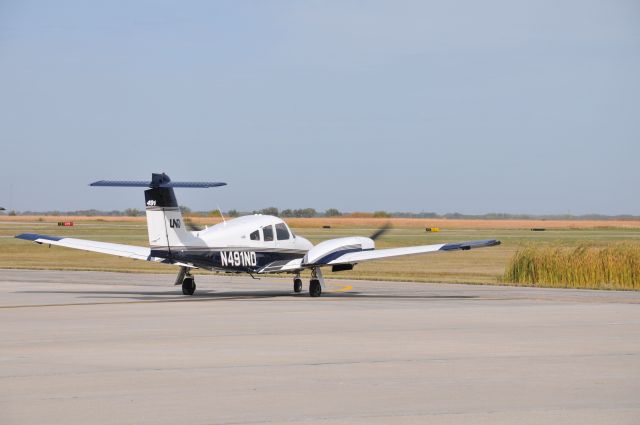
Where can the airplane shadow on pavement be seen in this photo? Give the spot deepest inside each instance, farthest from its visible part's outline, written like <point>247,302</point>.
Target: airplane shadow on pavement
<point>209,295</point>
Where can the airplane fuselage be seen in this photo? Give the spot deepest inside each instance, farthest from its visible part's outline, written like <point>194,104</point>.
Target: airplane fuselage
<point>243,244</point>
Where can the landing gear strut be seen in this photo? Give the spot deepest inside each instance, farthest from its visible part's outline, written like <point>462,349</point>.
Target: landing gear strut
<point>297,284</point>
<point>186,279</point>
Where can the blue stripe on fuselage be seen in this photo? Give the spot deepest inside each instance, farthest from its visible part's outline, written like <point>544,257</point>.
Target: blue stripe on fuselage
<point>212,258</point>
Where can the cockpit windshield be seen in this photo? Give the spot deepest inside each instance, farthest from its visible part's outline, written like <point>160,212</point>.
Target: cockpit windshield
<point>282,233</point>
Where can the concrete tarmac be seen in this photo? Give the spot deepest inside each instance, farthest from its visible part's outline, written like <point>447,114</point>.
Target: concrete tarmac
<point>114,348</point>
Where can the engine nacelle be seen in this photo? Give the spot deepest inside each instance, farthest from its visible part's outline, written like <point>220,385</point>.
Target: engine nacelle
<point>329,250</point>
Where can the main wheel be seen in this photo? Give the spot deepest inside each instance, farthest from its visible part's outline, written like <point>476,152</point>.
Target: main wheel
<point>188,286</point>
<point>297,285</point>
<point>315,290</point>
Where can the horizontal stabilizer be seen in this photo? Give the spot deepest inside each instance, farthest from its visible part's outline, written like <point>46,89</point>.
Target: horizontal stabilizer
<point>157,180</point>
<point>140,183</point>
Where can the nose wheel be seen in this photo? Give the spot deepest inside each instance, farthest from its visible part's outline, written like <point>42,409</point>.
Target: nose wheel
<point>297,285</point>
<point>188,285</point>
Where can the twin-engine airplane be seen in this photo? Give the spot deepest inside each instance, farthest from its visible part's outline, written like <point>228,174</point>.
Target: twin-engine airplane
<point>253,244</point>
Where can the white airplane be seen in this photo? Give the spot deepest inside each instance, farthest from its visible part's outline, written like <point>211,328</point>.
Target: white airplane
<point>253,244</point>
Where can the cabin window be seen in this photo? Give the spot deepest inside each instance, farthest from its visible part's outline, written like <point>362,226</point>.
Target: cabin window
<point>268,233</point>
<point>255,236</point>
<point>282,233</point>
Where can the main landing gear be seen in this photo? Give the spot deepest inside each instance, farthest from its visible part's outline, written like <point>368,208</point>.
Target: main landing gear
<point>315,284</point>
<point>186,279</point>
<point>315,289</point>
<point>188,285</point>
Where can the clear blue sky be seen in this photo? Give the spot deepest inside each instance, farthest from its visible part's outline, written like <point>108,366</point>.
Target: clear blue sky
<point>513,106</point>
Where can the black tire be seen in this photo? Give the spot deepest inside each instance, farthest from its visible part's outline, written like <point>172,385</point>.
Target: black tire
<point>297,285</point>
<point>188,286</point>
<point>315,290</point>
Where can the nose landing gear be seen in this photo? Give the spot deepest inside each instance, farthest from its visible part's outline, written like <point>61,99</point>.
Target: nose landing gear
<point>297,284</point>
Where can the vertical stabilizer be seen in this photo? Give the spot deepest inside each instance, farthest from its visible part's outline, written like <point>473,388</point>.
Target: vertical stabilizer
<point>164,220</point>
<point>166,227</point>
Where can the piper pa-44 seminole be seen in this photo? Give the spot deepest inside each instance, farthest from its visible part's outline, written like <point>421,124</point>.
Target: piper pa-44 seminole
<point>253,244</point>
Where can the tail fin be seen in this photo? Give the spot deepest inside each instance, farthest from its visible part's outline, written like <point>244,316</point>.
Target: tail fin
<point>164,220</point>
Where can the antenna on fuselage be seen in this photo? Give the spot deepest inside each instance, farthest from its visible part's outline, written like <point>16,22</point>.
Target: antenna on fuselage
<point>222,215</point>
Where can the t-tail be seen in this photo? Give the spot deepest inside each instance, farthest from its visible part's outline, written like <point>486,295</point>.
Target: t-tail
<point>165,224</point>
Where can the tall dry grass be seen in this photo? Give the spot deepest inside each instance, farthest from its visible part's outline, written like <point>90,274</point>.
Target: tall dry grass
<point>614,266</point>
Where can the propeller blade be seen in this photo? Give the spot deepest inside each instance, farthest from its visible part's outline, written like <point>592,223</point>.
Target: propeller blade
<point>189,224</point>
<point>381,231</point>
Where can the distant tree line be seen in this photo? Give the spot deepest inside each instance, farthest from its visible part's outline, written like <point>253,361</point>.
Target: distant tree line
<point>331,212</point>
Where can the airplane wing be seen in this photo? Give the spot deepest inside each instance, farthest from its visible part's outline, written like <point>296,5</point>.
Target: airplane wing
<point>120,250</point>
<point>282,266</point>
<point>375,254</point>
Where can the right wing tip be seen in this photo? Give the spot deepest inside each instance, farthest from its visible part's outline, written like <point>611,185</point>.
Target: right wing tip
<point>35,236</point>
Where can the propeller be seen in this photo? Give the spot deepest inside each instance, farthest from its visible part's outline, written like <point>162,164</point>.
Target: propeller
<point>189,224</point>
<point>381,231</point>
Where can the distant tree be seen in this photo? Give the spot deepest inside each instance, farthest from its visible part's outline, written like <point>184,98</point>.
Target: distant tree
<point>381,214</point>
<point>428,215</point>
<point>12,212</point>
<point>305,212</point>
<point>269,211</point>
<point>286,213</point>
<point>233,213</point>
<point>454,215</point>
<point>215,213</point>
<point>332,212</point>
<point>357,214</point>
<point>132,212</point>
<point>185,210</point>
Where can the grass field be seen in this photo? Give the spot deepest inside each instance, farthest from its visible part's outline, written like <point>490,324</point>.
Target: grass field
<point>476,266</point>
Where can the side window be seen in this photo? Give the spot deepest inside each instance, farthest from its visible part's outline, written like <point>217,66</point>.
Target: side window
<point>255,236</point>
<point>268,233</point>
<point>282,232</point>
